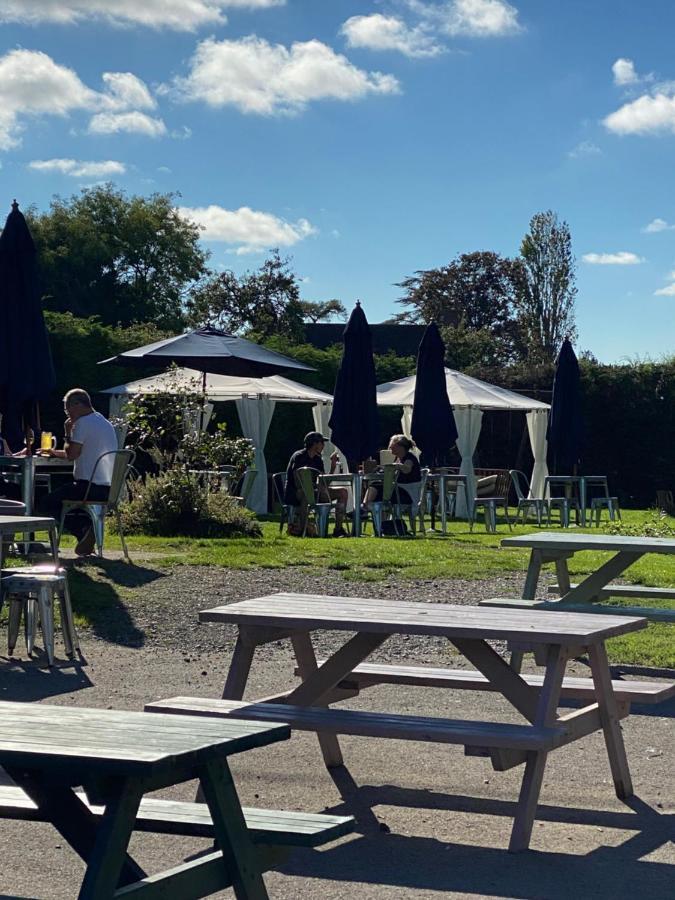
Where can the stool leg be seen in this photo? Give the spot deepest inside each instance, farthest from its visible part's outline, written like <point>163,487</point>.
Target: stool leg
<point>67,623</point>
<point>565,515</point>
<point>45,602</point>
<point>15,608</point>
<point>30,624</point>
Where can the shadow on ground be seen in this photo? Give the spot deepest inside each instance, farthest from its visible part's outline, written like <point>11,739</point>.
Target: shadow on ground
<point>29,680</point>
<point>94,585</point>
<point>376,857</point>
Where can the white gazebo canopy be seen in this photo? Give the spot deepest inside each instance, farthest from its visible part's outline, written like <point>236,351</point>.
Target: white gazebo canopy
<point>469,398</point>
<point>256,399</point>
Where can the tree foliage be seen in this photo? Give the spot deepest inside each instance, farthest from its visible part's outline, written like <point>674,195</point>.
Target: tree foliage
<point>546,301</point>
<point>475,293</point>
<point>316,311</point>
<point>266,302</point>
<point>123,259</point>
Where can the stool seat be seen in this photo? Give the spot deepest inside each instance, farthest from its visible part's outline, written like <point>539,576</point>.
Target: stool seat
<point>29,588</point>
<point>611,504</point>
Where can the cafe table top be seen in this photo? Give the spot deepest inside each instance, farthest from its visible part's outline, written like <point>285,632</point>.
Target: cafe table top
<point>23,524</point>
<point>309,612</point>
<point>114,742</point>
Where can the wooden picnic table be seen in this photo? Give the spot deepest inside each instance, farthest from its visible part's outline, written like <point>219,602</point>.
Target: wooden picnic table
<point>118,757</point>
<point>558,636</point>
<point>558,547</point>
<point>11,525</point>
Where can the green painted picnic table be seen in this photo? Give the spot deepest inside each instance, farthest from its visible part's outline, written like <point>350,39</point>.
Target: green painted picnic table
<point>118,757</point>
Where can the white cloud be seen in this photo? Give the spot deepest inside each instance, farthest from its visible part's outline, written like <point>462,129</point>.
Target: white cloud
<point>126,91</point>
<point>668,291</point>
<point>624,72</point>
<point>657,225</point>
<point>133,122</point>
<point>249,229</point>
<point>32,84</point>
<point>79,168</point>
<point>378,32</point>
<point>622,258</point>
<point>179,15</point>
<point>583,149</point>
<point>649,114</point>
<point>472,18</point>
<point>258,77</point>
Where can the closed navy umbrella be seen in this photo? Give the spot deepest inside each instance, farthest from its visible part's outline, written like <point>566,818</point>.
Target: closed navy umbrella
<point>210,350</point>
<point>433,425</point>
<point>565,423</point>
<point>26,369</point>
<point>354,420</point>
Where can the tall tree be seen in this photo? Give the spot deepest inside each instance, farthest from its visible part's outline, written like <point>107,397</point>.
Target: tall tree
<point>546,301</point>
<point>123,259</point>
<point>476,292</point>
<point>316,311</point>
<point>266,302</point>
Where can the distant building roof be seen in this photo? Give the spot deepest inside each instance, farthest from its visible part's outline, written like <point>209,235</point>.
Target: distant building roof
<point>402,339</point>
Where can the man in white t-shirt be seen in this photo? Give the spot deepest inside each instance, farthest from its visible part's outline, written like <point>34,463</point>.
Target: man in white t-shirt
<point>88,435</point>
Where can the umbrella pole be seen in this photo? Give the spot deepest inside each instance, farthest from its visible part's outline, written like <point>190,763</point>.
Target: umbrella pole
<point>203,401</point>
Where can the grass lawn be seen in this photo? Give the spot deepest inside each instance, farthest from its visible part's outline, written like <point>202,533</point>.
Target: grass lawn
<point>460,554</point>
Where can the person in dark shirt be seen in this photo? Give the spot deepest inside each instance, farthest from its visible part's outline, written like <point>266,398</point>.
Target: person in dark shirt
<point>408,468</point>
<point>310,457</point>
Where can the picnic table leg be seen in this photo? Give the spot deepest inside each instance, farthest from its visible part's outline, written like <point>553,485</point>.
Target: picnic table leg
<point>609,717</point>
<point>231,833</point>
<point>240,666</point>
<point>536,760</point>
<point>589,589</point>
<point>532,577</point>
<point>306,659</point>
<point>563,573</point>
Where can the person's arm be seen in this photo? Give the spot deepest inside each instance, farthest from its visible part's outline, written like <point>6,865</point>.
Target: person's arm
<point>405,466</point>
<point>72,448</point>
<point>334,459</point>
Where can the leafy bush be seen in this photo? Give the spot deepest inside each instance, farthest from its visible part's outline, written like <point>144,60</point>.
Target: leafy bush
<point>657,526</point>
<point>173,503</point>
<point>208,451</point>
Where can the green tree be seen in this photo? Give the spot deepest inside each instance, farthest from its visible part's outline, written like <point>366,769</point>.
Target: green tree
<point>123,259</point>
<point>322,310</point>
<point>265,302</point>
<point>476,292</point>
<point>548,291</point>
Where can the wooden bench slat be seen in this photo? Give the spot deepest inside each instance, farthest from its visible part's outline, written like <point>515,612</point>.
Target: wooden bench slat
<point>469,679</point>
<point>266,826</point>
<point>627,590</point>
<point>654,614</point>
<point>368,724</point>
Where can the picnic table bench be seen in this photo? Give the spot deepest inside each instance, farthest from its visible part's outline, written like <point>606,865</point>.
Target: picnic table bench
<point>553,547</point>
<point>541,729</point>
<point>118,757</point>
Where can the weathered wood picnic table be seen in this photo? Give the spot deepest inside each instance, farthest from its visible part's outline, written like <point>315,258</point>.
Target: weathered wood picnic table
<point>306,707</point>
<point>557,547</point>
<point>118,757</point>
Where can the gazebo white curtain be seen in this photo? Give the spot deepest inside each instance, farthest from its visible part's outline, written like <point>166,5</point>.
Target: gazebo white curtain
<point>537,421</point>
<point>468,420</point>
<point>255,415</point>
<point>406,421</point>
<point>321,413</point>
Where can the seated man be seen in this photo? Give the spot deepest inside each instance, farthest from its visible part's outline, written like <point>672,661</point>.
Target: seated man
<point>310,457</point>
<point>88,435</point>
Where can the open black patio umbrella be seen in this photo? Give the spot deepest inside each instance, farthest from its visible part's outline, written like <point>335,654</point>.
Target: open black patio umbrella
<point>354,420</point>
<point>210,350</point>
<point>433,424</point>
<point>26,369</point>
<point>565,422</point>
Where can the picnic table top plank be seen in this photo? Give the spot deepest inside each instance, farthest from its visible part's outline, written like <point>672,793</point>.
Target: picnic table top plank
<point>310,611</point>
<point>51,736</point>
<point>553,540</point>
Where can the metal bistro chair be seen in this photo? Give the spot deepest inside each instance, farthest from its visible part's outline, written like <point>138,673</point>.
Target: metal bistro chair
<point>490,504</point>
<point>97,509</point>
<point>287,511</point>
<point>565,504</point>
<point>526,503</point>
<point>414,510</point>
<point>243,488</point>
<point>604,500</point>
<point>307,478</point>
<point>378,508</point>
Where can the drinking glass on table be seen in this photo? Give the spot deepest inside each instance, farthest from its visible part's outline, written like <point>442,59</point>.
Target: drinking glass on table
<point>47,441</point>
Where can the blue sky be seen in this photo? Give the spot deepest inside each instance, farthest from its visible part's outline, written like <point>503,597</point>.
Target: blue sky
<point>367,139</point>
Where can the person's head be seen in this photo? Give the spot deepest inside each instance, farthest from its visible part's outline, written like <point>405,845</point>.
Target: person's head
<point>399,445</point>
<point>77,403</point>
<point>314,443</point>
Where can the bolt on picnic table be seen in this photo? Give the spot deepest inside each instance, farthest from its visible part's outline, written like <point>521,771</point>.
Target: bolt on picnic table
<point>120,756</point>
<point>306,707</point>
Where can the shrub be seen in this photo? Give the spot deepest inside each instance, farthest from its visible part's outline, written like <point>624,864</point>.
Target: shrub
<point>173,503</point>
<point>209,451</point>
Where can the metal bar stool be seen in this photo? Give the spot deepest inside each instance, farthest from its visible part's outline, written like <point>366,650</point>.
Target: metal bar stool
<point>33,588</point>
